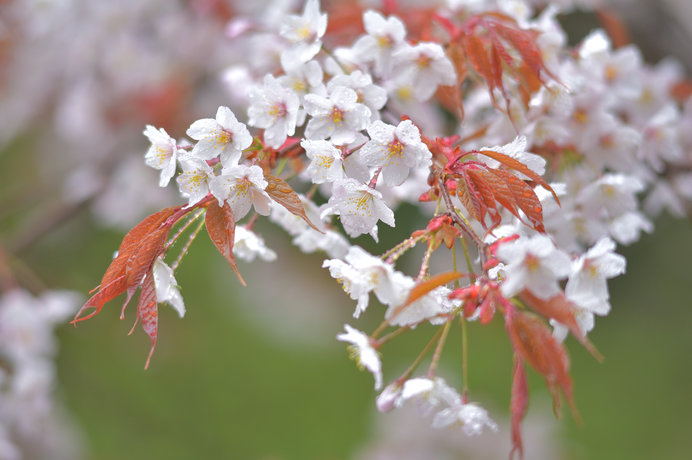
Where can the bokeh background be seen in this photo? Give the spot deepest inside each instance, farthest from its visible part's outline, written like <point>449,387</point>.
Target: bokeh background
<point>256,372</point>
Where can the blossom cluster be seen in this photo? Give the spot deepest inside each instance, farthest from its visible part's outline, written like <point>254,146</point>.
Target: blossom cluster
<point>30,426</point>
<point>531,158</point>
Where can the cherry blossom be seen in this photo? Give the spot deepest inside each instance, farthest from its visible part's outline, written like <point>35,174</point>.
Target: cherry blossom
<point>338,117</point>
<point>384,38</point>
<point>242,187</point>
<point>326,163</point>
<point>396,149</point>
<point>424,66</point>
<point>533,263</point>
<point>363,352</point>
<point>359,207</point>
<point>194,181</point>
<point>166,286</point>
<point>363,273</point>
<point>304,32</point>
<point>223,136</point>
<point>275,109</point>
<point>248,245</point>
<point>162,153</point>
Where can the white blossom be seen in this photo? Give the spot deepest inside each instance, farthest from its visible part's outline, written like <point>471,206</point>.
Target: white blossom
<point>384,37</point>
<point>304,32</point>
<point>193,182</point>
<point>424,66</point>
<point>242,187</point>
<point>248,245</point>
<point>275,109</point>
<point>339,116</point>
<point>222,136</point>
<point>363,352</point>
<point>359,208</point>
<point>166,286</point>
<point>162,153</point>
<point>396,149</point>
<point>326,161</point>
<point>533,263</point>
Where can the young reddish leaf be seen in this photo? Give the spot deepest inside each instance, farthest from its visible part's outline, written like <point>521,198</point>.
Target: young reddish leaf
<point>479,178</point>
<point>220,225</point>
<point>561,310</point>
<point>470,199</point>
<point>105,294</point>
<point>524,197</point>
<point>614,27</point>
<point>533,342</point>
<point>283,194</point>
<point>451,96</point>
<point>501,191</point>
<point>498,53</point>
<point>141,261</point>
<point>519,167</point>
<point>476,51</point>
<point>422,288</point>
<point>518,404</point>
<point>148,313</point>
<point>524,42</point>
<point>115,280</point>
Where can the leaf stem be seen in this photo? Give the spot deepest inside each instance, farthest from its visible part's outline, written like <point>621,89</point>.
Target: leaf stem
<point>420,357</point>
<point>390,336</point>
<point>432,370</point>
<point>464,358</point>
<point>192,237</point>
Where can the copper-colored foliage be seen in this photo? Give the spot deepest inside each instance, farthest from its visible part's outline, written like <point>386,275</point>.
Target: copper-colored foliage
<point>518,404</point>
<point>148,313</point>
<point>480,188</point>
<point>220,225</point>
<point>137,252</point>
<point>561,310</point>
<point>279,191</point>
<point>533,342</point>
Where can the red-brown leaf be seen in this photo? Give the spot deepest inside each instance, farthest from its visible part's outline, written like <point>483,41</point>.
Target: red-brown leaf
<point>424,287</point>
<point>115,280</point>
<point>105,294</point>
<point>133,238</point>
<point>474,197</point>
<point>518,404</point>
<point>561,310</point>
<point>525,198</point>
<point>465,197</point>
<point>476,51</point>
<point>501,191</point>
<point>141,260</point>
<point>519,167</point>
<point>524,42</point>
<point>220,225</point>
<point>148,313</point>
<point>480,177</point>
<point>283,194</point>
<point>533,342</point>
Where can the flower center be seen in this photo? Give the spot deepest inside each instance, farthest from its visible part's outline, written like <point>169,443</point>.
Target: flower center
<point>423,61</point>
<point>532,262</point>
<point>223,137</point>
<point>395,150</point>
<point>337,115</point>
<point>278,110</point>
